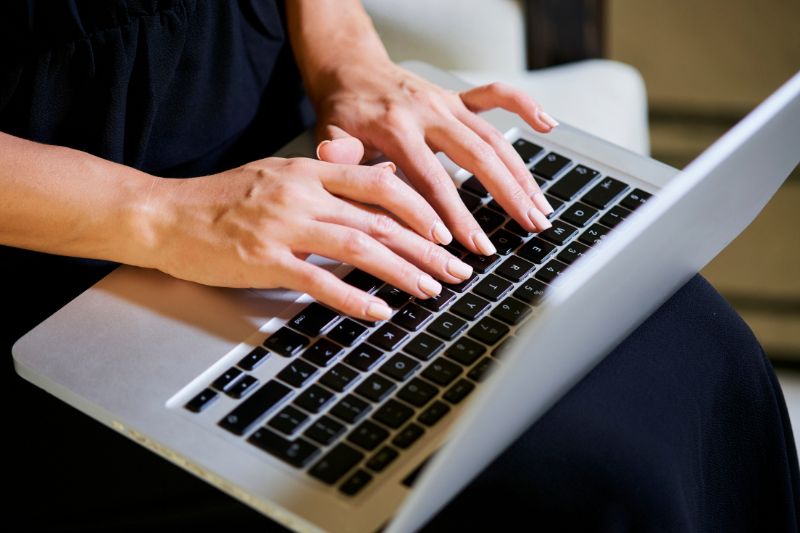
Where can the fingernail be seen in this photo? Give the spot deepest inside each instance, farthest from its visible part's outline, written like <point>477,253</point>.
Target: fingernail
<point>379,310</point>
<point>441,233</point>
<point>429,286</point>
<point>388,164</point>
<point>482,243</point>
<point>538,219</point>
<point>459,269</point>
<point>320,145</point>
<point>550,121</point>
<point>540,200</point>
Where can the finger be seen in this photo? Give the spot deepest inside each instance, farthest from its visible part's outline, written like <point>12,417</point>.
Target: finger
<point>469,151</point>
<point>494,95</point>
<point>355,247</point>
<point>339,147</point>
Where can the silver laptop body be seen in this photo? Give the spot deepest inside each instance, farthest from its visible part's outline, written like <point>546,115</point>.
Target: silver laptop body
<point>137,346</point>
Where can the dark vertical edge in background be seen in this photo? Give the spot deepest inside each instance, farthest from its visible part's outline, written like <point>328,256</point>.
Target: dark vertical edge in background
<point>562,31</point>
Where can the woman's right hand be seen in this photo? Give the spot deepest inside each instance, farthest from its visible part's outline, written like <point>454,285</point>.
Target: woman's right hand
<point>253,226</point>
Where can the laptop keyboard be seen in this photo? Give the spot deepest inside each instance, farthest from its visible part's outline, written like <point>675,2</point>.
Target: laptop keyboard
<point>353,395</point>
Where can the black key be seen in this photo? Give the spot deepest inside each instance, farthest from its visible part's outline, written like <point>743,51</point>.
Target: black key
<point>322,352</point>
<point>470,200</point>
<point>514,268</point>
<point>560,233</point>
<point>511,311</point>
<point>249,411</point>
<point>465,351</point>
<point>594,234</point>
<point>470,306</point>
<point>530,292</point>
<point>458,391</point>
<point>351,409</point>
<point>201,401</point>
<point>408,436</point>
<point>473,185</point>
<point>418,392</point>
<point>325,430</point>
<point>505,241</point>
<point>399,367</point>
<point>488,219</point>
<point>488,330</point>
<point>478,372</point>
<point>355,483</point>
<point>481,263</point>
<point>314,398</point>
<point>536,250</point>
<point>514,227</point>
<point>297,373</point>
<point>313,319</point>
<point>423,346</point>
<point>225,380</point>
<point>526,149</point>
<point>339,377</point>
<point>447,326</point>
<point>492,287</point>
<point>388,336</point>
<point>336,463</point>
<point>412,316</point>
<point>551,271</point>
<point>393,413</point>
<point>573,181</point>
<point>368,435</point>
<point>635,199</point>
<point>494,204</point>
<point>614,216</point>
<point>434,413</point>
<point>375,388</point>
<point>579,214</point>
<point>286,342</point>
<point>550,165</point>
<point>461,287</point>
<point>241,387</point>
<point>382,458</point>
<point>500,349</point>
<point>347,332</point>
<point>298,452</point>
<point>571,252</point>
<point>540,182</point>
<point>253,359</point>
<point>442,371</point>
<point>438,302</point>
<point>393,296</point>
<point>604,192</point>
<point>288,420</point>
<point>364,357</point>
<point>360,279</point>
<point>555,203</point>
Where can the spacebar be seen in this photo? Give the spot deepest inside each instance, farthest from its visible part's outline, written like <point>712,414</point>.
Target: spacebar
<point>248,412</point>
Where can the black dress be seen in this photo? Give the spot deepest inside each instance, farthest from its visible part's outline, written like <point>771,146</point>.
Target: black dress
<point>682,428</point>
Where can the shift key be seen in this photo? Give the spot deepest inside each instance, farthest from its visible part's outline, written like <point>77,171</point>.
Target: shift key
<point>252,409</point>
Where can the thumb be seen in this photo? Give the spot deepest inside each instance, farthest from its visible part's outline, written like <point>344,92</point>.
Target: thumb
<point>340,147</point>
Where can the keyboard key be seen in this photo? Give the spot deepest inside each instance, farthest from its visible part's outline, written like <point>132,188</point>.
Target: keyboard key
<point>471,202</point>
<point>297,373</point>
<point>479,371</point>
<point>313,319</point>
<point>536,250</point>
<point>560,233</point>
<point>555,203</point>
<point>461,287</point>
<point>361,280</point>
<point>481,263</point>
<point>288,420</point>
<point>514,268</point>
<point>438,302</point>
<point>530,292</point>
<point>325,430</point>
<point>225,380</point>
<point>511,311</point>
<point>388,336</point>
<point>393,296</point>
<point>494,204</point>
<point>382,458</point>
<point>347,332</point>
<point>526,150</point>
<point>550,165</point>
<point>447,326</point>
<point>614,216</point>
<point>364,357</point>
<point>488,219</point>
<point>571,252</point>
<point>573,181</point>
<point>492,287</point>
<point>635,199</point>
<point>241,387</point>
<point>458,391</point>
<point>368,435</point>
<point>579,214</point>
<point>375,388</point>
<point>201,401</point>
<point>423,346</point>
<point>393,414</point>
<point>488,330</point>
<point>298,452</point>
<point>336,463</point>
<point>412,316</point>
<point>339,377</point>
<point>314,398</point>
<point>408,436</point>
<point>604,192</point>
<point>322,352</point>
<point>399,367</point>
<point>350,409</point>
<point>473,185</point>
<point>465,351</point>
<point>551,271</point>
<point>470,306</point>
<point>355,483</point>
<point>594,234</point>
<point>505,241</point>
<point>258,404</point>
<point>418,392</point>
<point>253,359</point>
<point>514,227</point>
<point>434,413</point>
<point>442,372</point>
<point>286,342</point>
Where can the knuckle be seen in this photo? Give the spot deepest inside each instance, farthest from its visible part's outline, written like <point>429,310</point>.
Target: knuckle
<point>433,255</point>
<point>382,226</point>
<point>383,180</point>
<point>352,302</point>
<point>356,243</point>
<point>481,150</point>
<point>519,196</point>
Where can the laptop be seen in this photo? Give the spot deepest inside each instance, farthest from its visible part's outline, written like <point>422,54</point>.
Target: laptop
<point>325,423</point>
